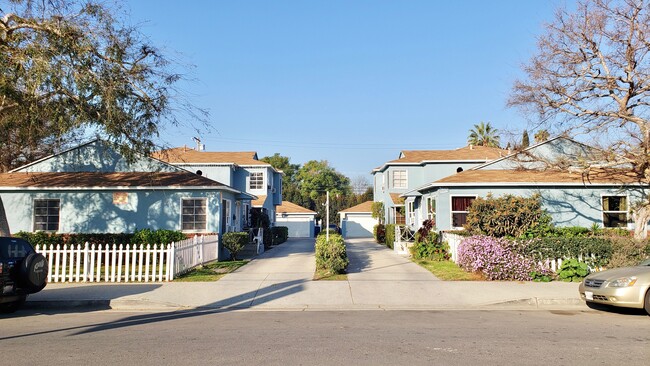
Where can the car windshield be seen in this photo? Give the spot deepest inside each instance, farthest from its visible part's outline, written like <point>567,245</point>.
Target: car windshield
<point>14,248</point>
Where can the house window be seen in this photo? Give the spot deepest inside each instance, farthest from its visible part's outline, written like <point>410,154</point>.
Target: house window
<point>227,206</point>
<point>411,213</point>
<point>256,180</point>
<point>246,215</point>
<point>431,208</point>
<point>398,212</point>
<point>614,211</point>
<point>46,215</point>
<point>459,208</point>
<point>194,214</point>
<point>399,179</point>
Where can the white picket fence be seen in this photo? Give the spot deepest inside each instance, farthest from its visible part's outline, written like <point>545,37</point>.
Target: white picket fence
<point>127,263</point>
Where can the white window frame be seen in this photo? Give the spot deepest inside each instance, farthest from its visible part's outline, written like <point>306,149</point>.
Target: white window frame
<point>47,214</point>
<point>626,211</point>
<point>258,181</point>
<point>228,209</point>
<point>429,214</point>
<point>402,179</point>
<point>194,221</point>
<point>451,208</point>
<point>410,207</point>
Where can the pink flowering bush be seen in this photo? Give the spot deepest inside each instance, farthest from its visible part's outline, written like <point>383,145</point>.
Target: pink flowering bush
<point>496,259</point>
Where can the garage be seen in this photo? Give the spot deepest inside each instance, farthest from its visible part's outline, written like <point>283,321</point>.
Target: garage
<point>357,221</point>
<point>299,220</point>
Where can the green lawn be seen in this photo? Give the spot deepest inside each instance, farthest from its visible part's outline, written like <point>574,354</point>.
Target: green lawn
<point>448,271</point>
<point>326,276</point>
<point>210,272</point>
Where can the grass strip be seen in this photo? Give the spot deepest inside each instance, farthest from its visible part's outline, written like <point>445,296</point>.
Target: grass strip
<point>448,271</point>
<point>210,272</point>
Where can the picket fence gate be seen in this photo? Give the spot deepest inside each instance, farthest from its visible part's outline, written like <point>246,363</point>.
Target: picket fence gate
<point>127,263</point>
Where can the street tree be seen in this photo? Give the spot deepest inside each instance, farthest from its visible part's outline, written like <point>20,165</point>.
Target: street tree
<point>591,76</point>
<point>72,67</point>
<point>483,134</point>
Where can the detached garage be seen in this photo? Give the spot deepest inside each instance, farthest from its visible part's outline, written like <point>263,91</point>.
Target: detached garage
<point>299,220</point>
<point>357,221</point>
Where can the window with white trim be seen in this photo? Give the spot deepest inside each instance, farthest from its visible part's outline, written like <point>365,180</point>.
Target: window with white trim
<point>400,179</point>
<point>431,208</point>
<point>411,213</point>
<point>46,214</point>
<point>614,211</point>
<point>194,214</point>
<point>459,209</point>
<point>228,208</point>
<point>256,180</point>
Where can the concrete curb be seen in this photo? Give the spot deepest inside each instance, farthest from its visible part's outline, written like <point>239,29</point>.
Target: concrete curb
<point>144,305</point>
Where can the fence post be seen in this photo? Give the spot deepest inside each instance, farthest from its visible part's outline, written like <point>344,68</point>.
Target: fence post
<point>171,259</point>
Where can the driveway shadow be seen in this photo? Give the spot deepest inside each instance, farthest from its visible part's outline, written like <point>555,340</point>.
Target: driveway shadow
<point>242,301</point>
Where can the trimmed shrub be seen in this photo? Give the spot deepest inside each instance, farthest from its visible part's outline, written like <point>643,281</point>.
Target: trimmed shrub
<point>496,259</point>
<point>427,244</point>
<point>145,236</point>
<point>506,216</point>
<point>379,233</point>
<point>627,252</point>
<point>235,242</point>
<point>389,237</point>
<point>569,247</point>
<point>331,256</point>
<point>280,234</point>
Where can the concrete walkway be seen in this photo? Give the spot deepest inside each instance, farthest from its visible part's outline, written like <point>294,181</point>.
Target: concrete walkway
<point>282,279</point>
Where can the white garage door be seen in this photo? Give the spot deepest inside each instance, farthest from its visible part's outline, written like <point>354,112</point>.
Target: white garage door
<point>358,225</point>
<point>297,228</point>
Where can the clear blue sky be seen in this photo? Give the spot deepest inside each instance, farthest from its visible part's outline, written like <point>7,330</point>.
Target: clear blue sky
<point>351,82</point>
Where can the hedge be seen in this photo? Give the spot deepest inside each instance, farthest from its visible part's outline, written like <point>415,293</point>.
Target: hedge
<point>280,234</point>
<point>145,236</point>
<point>331,256</point>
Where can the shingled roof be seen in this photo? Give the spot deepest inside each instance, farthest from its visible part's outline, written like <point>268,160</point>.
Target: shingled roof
<point>467,153</point>
<point>599,176</point>
<point>180,155</point>
<point>291,208</point>
<point>105,180</point>
<point>362,207</point>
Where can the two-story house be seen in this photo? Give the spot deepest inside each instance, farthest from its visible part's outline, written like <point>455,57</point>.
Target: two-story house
<point>415,168</point>
<point>241,170</point>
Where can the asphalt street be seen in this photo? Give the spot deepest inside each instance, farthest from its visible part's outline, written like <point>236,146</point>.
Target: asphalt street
<point>377,337</point>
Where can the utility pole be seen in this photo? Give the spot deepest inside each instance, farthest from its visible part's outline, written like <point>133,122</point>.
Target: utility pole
<point>327,214</point>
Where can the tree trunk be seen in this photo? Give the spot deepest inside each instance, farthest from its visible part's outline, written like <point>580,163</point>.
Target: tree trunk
<point>641,216</point>
<point>4,224</point>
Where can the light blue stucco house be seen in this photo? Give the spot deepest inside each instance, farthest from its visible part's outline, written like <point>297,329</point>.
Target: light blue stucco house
<point>241,170</point>
<point>414,169</point>
<point>92,189</point>
<point>602,197</point>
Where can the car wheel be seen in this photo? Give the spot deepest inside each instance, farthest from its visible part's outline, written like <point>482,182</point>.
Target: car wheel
<point>11,307</point>
<point>646,304</point>
<point>33,272</point>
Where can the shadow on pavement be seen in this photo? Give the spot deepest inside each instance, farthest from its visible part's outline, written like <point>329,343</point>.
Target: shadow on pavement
<point>78,298</point>
<point>246,300</point>
<point>616,310</point>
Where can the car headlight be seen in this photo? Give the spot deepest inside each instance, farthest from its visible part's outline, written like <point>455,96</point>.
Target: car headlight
<point>623,282</point>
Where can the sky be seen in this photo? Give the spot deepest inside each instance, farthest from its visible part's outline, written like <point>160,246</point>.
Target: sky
<point>348,81</point>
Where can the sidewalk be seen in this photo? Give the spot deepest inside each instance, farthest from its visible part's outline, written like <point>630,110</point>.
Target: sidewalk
<point>281,279</point>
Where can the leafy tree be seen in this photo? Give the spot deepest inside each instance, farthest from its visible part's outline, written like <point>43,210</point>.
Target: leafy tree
<point>70,67</point>
<point>525,140</point>
<point>541,136</point>
<point>591,76</point>
<point>483,134</point>
<point>289,185</point>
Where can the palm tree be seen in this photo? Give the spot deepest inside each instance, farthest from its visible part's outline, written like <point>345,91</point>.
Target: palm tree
<point>483,135</point>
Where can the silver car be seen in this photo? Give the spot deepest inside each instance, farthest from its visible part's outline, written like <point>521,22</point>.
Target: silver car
<point>625,287</point>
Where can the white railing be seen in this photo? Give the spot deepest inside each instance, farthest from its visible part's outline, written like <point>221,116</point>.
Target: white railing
<point>127,263</point>
<point>404,239</point>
